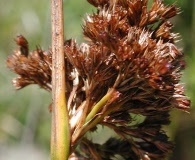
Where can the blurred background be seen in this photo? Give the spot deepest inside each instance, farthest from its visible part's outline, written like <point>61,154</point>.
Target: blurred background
<point>24,116</point>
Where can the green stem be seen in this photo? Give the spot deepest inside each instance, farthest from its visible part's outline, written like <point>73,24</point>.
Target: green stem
<point>81,131</point>
<point>99,105</point>
<point>60,134</point>
<point>93,122</point>
<point>99,118</point>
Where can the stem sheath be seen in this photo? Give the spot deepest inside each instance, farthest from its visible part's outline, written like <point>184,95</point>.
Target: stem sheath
<point>60,133</point>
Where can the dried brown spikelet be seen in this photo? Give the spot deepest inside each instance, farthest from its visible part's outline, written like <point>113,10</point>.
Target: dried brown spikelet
<point>32,68</point>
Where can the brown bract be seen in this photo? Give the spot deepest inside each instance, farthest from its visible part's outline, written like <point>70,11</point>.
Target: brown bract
<point>131,54</point>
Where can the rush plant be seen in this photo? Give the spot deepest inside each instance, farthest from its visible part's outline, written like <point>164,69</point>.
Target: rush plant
<point>128,67</point>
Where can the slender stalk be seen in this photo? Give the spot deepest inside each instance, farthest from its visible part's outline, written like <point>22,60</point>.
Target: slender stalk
<point>93,119</point>
<point>99,105</point>
<point>60,136</point>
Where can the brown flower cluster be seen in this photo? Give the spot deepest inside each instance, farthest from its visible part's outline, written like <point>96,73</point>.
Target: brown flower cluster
<point>32,68</point>
<point>129,66</point>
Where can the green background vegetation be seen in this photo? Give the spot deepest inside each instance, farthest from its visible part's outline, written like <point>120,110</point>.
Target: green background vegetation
<point>24,116</point>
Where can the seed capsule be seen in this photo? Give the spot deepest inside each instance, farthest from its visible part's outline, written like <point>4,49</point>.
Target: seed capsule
<point>23,43</point>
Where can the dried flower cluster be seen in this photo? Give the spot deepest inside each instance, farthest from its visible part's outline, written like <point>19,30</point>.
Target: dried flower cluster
<point>129,66</point>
